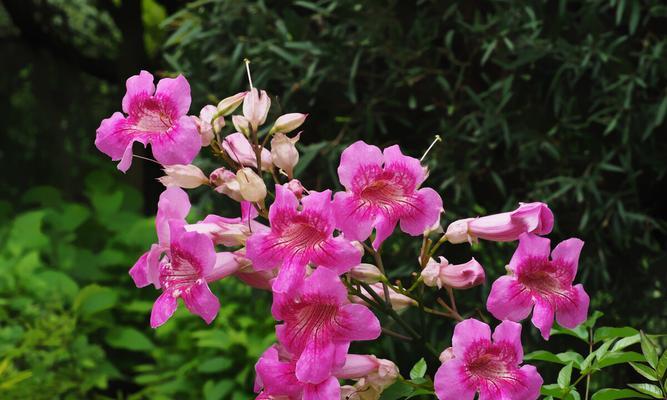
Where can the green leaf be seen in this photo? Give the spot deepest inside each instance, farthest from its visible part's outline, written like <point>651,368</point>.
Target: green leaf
<point>93,299</point>
<point>218,391</point>
<point>619,357</point>
<point>607,332</point>
<point>647,388</point>
<point>397,391</point>
<point>662,365</point>
<point>215,364</point>
<point>560,358</point>
<point>565,375</point>
<point>579,332</point>
<point>649,350</point>
<point>626,341</point>
<point>615,394</point>
<point>645,371</point>
<point>129,339</point>
<point>419,369</point>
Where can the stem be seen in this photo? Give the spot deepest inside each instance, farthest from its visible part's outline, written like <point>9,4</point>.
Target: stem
<point>439,243</point>
<point>378,261</point>
<point>454,314</point>
<point>395,334</point>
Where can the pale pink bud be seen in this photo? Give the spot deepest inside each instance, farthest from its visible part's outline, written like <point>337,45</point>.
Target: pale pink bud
<point>256,106</point>
<point>535,218</point>
<point>459,276</point>
<point>386,374</point>
<point>446,355</point>
<point>210,123</point>
<point>252,186</point>
<point>229,104</point>
<point>284,153</point>
<point>239,149</point>
<point>185,176</point>
<point>225,182</point>
<point>288,122</point>
<point>295,187</point>
<point>367,273</point>
<point>241,124</point>
<point>398,301</point>
<point>357,366</point>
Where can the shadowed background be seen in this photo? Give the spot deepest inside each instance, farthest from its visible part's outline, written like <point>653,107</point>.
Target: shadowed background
<point>559,101</point>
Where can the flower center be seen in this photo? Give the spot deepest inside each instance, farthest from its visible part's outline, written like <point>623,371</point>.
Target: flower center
<point>302,235</point>
<point>178,274</point>
<point>383,193</point>
<point>152,115</point>
<point>488,366</point>
<point>541,277</point>
<point>311,321</point>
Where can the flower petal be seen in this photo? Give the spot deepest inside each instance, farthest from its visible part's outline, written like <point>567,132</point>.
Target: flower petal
<point>324,281</point>
<point>509,333</point>
<point>337,254</point>
<point>110,140</point>
<point>543,317</point>
<point>384,227</point>
<point>352,217</point>
<point>141,84</point>
<point>196,248</point>
<point>283,207</point>
<point>509,299</point>
<point>261,250</point>
<point>530,247</point>
<point>566,255</point>
<point>452,382</point>
<point>467,333</point>
<point>173,204</point>
<point>289,277</point>
<point>410,167</point>
<point>163,309</point>
<point>357,322</point>
<point>200,301</point>
<point>329,389</point>
<point>531,382</point>
<point>573,311</point>
<point>177,90</point>
<point>316,362</point>
<point>145,271</point>
<point>179,145</point>
<point>424,212</point>
<point>358,154</point>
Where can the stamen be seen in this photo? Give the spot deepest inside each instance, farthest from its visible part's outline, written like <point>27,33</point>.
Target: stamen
<point>147,159</point>
<point>247,68</point>
<point>436,140</point>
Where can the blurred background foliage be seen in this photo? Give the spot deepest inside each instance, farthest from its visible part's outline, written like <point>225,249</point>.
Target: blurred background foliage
<point>554,100</point>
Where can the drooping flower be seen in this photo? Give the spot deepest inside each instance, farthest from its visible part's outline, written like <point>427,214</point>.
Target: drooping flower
<point>256,106</point>
<point>298,237</point>
<point>319,323</point>
<point>189,265</point>
<point>185,176</point>
<point>536,218</point>
<point>284,153</point>
<point>546,283</point>
<point>173,205</point>
<point>457,276</point>
<point>383,189</point>
<point>154,116</point>
<point>239,149</point>
<point>490,367</point>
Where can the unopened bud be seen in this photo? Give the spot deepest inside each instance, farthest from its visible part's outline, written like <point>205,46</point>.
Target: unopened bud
<point>225,182</point>
<point>295,187</point>
<point>457,276</point>
<point>457,231</point>
<point>185,176</point>
<point>446,355</point>
<point>252,186</point>
<point>367,273</point>
<point>241,124</point>
<point>256,106</point>
<point>284,153</point>
<point>231,103</point>
<point>288,122</point>
<point>239,149</point>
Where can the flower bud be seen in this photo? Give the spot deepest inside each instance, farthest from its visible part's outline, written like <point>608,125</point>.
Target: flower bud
<point>239,149</point>
<point>251,185</point>
<point>284,153</point>
<point>241,124</point>
<point>288,122</point>
<point>398,301</point>
<point>295,187</point>
<point>225,182</point>
<point>357,366</point>
<point>229,104</point>
<point>367,273</point>
<point>534,218</point>
<point>446,355</point>
<point>210,123</point>
<point>185,176</point>
<point>460,276</point>
<point>256,106</point>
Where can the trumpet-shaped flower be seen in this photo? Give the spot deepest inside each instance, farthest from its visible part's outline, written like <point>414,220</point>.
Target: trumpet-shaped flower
<point>535,280</point>
<point>185,176</point>
<point>383,189</point>
<point>173,205</point>
<point>319,324</point>
<point>189,265</point>
<point>490,367</point>
<point>457,276</point>
<point>298,237</point>
<point>504,227</point>
<point>155,116</point>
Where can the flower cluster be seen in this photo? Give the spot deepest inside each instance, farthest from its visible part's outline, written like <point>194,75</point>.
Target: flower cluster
<point>307,248</point>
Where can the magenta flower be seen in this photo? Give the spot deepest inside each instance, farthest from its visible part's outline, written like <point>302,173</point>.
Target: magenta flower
<point>457,276</point>
<point>383,189</point>
<point>536,218</point>
<point>319,324</point>
<point>488,367</point>
<point>190,263</point>
<point>299,236</point>
<point>173,205</point>
<point>154,116</point>
<point>535,280</point>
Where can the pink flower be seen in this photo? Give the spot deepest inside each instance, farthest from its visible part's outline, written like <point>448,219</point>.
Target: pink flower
<point>299,236</point>
<point>256,106</point>
<point>488,367</point>
<point>457,276</point>
<point>239,149</point>
<point>535,280</point>
<point>173,205</point>
<point>154,116</point>
<point>189,265</point>
<point>383,189</point>
<point>536,218</point>
<point>319,324</point>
